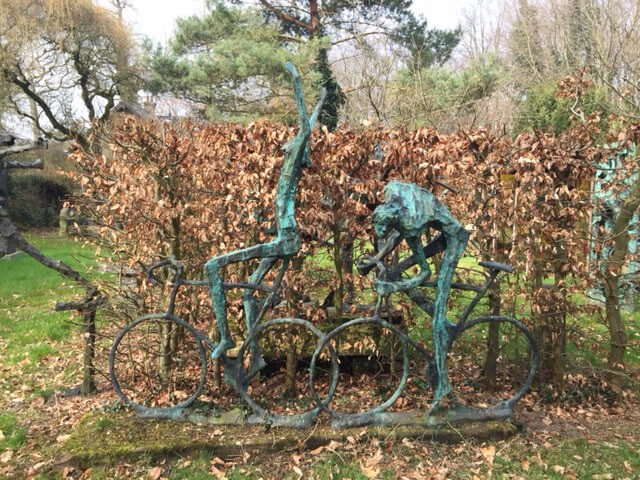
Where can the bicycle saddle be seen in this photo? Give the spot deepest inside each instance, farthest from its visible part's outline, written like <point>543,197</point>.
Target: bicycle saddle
<point>496,266</point>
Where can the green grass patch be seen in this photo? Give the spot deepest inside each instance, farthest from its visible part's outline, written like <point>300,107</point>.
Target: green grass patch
<point>28,292</point>
<point>333,467</point>
<point>576,457</point>
<point>104,423</point>
<point>198,468</point>
<point>14,434</point>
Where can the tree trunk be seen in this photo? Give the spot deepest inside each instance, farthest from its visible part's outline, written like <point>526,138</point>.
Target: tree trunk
<point>165,350</point>
<point>337,261</point>
<point>291,368</point>
<point>559,328</point>
<point>495,305</point>
<point>617,334</point>
<point>347,266</point>
<point>539,309</point>
<point>613,269</point>
<point>89,330</point>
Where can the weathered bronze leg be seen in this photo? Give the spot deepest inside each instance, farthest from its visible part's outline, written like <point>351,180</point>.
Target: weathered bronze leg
<point>216,290</point>
<point>216,287</point>
<point>457,238</point>
<point>251,309</point>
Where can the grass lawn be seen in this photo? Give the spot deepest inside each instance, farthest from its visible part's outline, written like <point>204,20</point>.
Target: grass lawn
<point>40,357</point>
<point>29,328</point>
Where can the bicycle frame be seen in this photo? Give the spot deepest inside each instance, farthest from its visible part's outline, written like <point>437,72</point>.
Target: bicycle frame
<point>494,271</point>
<point>179,280</point>
<point>238,377</point>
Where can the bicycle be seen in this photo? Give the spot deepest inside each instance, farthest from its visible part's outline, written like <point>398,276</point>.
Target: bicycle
<point>194,342</point>
<point>156,328</point>
<point>459,413</point>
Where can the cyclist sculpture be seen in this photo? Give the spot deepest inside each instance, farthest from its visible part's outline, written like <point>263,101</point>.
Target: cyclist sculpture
<point>287,242</point>
<point>410,211</point>
<point>150,376</point>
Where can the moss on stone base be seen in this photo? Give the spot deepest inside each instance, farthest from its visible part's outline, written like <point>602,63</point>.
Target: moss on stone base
<point>103,437</point>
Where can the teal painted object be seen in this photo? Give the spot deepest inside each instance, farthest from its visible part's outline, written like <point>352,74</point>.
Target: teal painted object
<point>603,218</point>
<point>287,241</point>
<point>409,211</point>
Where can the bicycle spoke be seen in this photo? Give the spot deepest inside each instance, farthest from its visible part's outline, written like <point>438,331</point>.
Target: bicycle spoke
<point>151,367</point>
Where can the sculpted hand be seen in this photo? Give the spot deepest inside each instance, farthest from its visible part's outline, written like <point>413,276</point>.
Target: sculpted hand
<point>384,287</point>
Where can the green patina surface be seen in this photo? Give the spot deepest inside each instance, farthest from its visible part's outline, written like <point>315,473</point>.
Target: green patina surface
<point>610,201</point>
<point>287,242</point>
<point>410,211</point>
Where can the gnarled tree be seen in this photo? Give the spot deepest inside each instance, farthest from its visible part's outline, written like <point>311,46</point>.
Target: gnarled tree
<point>56,52</point>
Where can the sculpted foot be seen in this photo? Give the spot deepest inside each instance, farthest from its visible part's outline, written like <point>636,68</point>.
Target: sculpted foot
<point>222,347</point>
<point>445,392</point>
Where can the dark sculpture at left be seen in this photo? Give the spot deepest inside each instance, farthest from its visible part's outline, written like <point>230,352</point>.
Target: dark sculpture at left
<point>8,147</point>
<point>11,239</point>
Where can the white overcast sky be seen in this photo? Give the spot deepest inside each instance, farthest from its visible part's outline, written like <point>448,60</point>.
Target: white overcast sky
<point>156,18</point>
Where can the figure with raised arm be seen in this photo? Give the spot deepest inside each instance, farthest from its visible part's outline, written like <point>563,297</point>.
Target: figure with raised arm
<point>287,241</point>
<point>408,212</point>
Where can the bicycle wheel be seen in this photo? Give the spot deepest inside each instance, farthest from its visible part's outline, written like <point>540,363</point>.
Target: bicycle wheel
<point>396,391</point>
<point>271,399</point>
<point>158,364</point>
<point>528,348</point>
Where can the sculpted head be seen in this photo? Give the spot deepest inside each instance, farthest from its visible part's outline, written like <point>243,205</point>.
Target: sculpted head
<point>385,217</point>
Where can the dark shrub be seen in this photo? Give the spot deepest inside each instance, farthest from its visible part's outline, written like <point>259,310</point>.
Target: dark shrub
<point>35,200</point>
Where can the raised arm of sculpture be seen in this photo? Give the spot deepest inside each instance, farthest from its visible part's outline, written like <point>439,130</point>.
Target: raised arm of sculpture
<point>305,124</point>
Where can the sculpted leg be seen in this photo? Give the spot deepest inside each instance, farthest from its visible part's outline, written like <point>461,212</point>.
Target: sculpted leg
<point>251,308</point>
<point>216,287</point>
<point>457,238</point>
<point>216,290</point>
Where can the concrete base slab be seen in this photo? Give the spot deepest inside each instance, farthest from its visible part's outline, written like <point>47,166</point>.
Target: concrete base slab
<point>103,436</point>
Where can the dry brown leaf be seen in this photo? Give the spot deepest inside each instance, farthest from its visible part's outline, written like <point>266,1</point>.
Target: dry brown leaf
<point>603,476</point>
<point>489,454</point>
<point>87,474</point>
<point>154,473</point>
<point>370,472</point>
<point>6,456</point>
<point>558,469</point>
<point>375,459</point>
<point>38,466</point>
<point>67,472</point>
<point>217,473</point>
<point>333,445</point>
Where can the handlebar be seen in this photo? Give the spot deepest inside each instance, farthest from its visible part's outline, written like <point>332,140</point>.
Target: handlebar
<point>173,264</point>
<point>366,263</point>
<point>502,267</point>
